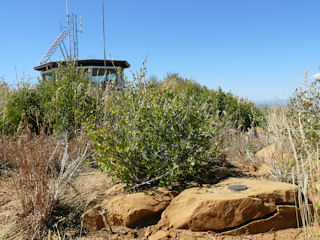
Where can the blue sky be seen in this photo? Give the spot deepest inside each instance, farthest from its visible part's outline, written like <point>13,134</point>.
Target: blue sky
<point>257,49</point>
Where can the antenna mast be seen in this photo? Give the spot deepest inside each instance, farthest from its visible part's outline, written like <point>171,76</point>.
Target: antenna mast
<point>73,41</point>
<point>68,22</point>
<point>73,27</point>
<point>104,35</point>
<point>74,35</point>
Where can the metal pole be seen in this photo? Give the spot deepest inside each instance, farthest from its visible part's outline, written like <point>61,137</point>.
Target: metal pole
<point>64,46</point>
<point>68,21</point>
<point>64,57</point>
<point>74,35</point>
<point>104,36</point>
<point>77,48</point>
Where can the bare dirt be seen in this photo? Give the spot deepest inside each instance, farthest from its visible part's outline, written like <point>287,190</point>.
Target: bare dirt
<point>86,190</point>
<point>9,207</point>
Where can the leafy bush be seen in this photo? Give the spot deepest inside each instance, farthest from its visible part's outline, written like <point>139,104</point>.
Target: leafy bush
<point>238,112</point>
<point>4,92</point>
<point>153,136</point>
<point>4,89</point>
<point>21,109</point>
<point>64,98</point>
<point>60,102</point>
<point>174,83</point>
<point>304,113</point>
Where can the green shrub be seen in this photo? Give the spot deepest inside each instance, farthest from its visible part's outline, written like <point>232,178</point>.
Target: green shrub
<point>4,94</point>
<point>153,136</point>
<point>58,102</point>
<point>239,113</point>
<point>174,83</point>
<point>65,98</point>
<point>304,113</point>
<point>21,109</point>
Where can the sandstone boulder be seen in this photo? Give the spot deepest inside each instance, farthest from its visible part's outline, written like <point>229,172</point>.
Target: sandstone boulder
<point>263,206</point>
<point>314,193</point>
<point>92,218</point>
<point>165,233</point>
<point>115,190</point>
<point>285,217</point>
<point>259,132</point>
<point>272,152</point>
<point>127,209</point>
<point>273,157</point>
<point>264,169</point>
<point>160,235</point>
<point>267,152</point>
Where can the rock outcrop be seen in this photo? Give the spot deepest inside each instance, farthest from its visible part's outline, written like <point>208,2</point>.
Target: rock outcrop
<point>127,209</point>
<point>272,152</point>
<point>273,157</point>
<point>261,207</point>
<point>234,206</point>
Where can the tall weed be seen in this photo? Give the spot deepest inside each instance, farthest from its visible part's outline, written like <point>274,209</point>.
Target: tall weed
<point>281,161</point>
<point>304,133</point>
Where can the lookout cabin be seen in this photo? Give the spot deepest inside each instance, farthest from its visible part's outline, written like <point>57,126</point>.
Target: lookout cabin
<point>99,71</point>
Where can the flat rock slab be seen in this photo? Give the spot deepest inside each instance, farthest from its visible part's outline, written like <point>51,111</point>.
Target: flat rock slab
<point>261,207</point>
<point>126,209</point>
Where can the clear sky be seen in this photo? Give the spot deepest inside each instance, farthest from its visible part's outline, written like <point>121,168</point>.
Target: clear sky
<point>257,49</point>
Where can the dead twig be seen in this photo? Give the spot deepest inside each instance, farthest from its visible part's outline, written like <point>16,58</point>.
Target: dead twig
<point>104,215</point>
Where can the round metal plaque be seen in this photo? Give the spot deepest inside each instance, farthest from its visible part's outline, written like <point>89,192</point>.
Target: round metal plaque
<point>238,187</point>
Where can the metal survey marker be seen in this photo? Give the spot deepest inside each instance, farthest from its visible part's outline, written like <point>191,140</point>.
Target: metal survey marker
<point>238,188</point>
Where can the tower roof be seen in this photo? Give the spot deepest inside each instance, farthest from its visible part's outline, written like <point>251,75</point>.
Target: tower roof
<point>84,63</point>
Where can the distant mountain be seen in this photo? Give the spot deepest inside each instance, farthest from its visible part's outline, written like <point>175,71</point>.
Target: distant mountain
<point>273,102</point>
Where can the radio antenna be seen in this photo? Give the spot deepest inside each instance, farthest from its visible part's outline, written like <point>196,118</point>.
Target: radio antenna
<point>74,35</point>
<point>81,24</point>
<point>73,51</point>
<point>104,36</point>
<point>68,22</point>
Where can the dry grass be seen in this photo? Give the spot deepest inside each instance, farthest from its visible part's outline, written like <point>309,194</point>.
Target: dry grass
<point>4,93</point>
<point>285,160</point>
<point>288,163</point>
<point>281,160</point>
<point>277,153</point>
<point>306,174</point>
<point>44,165</point>
<point>34,181</point>
<point>7,160</point>
<point>241,147</point>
